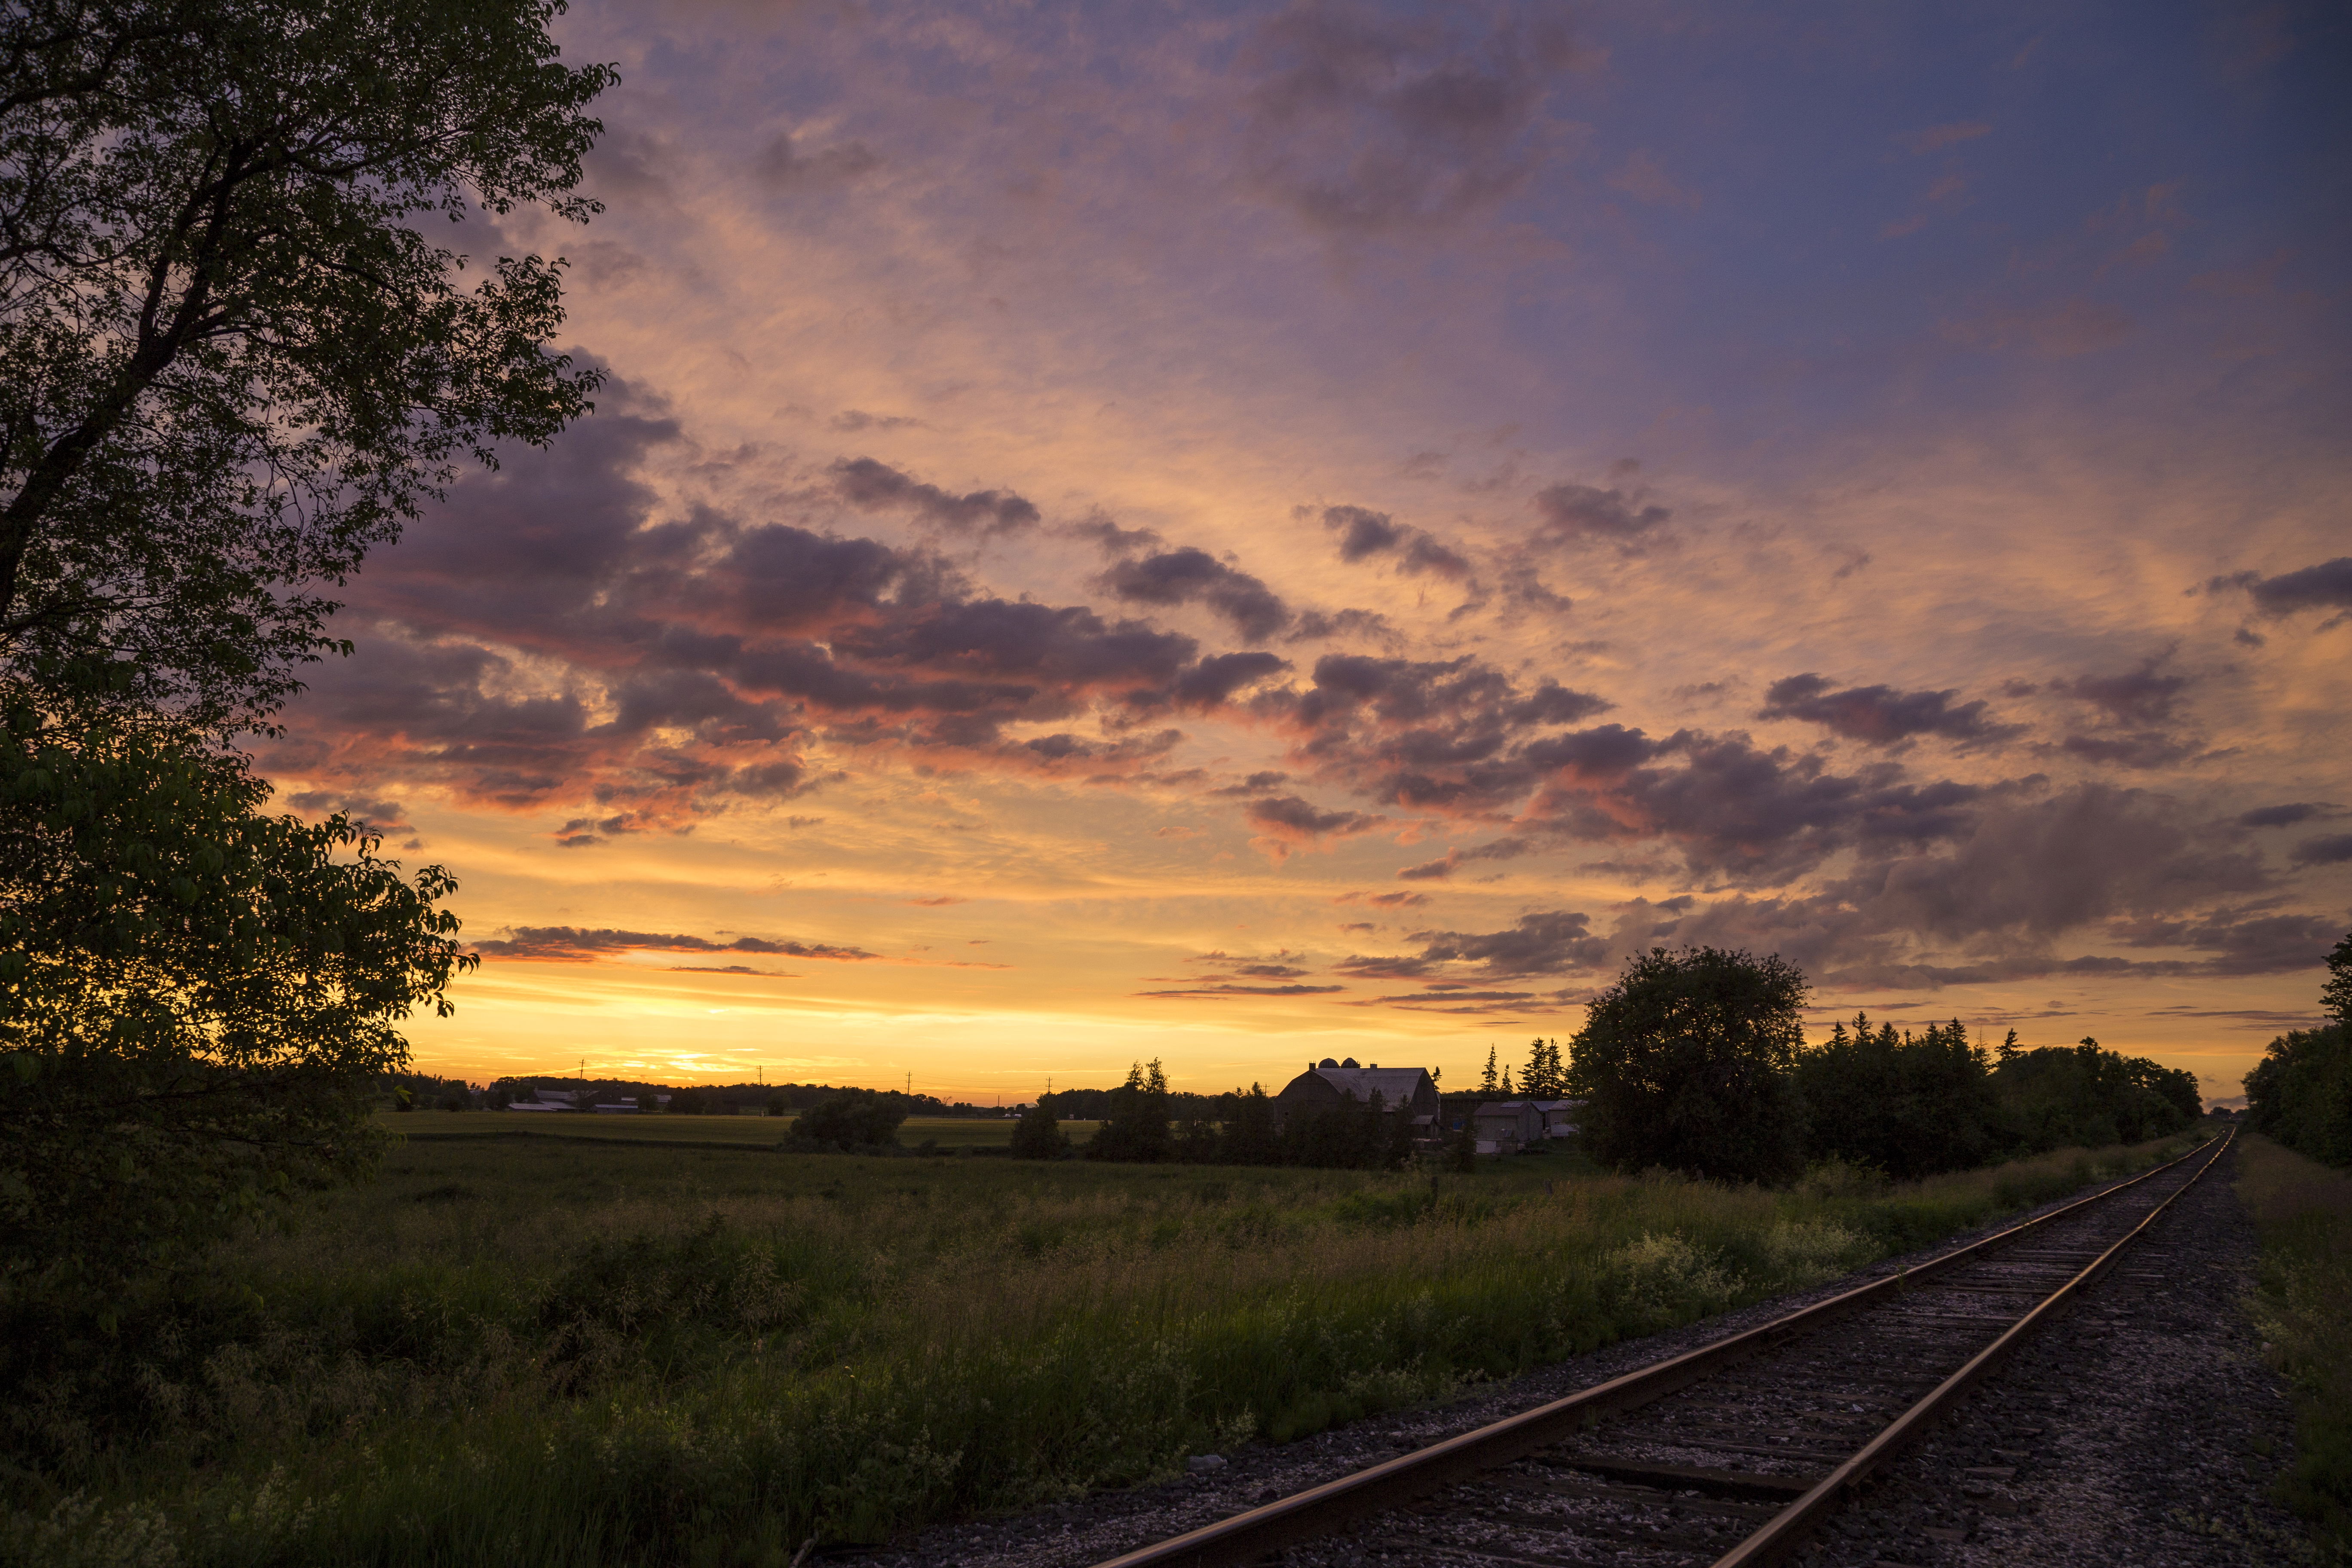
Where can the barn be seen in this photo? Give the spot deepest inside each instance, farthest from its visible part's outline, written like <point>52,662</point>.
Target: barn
<point>1324,1083</point>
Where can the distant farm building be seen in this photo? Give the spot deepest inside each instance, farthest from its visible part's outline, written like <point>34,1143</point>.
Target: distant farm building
<point>548,1100</point>
<point>1329,1083</point>
<point>1507,1126</point>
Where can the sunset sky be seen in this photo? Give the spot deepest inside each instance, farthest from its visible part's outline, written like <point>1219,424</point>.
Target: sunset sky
<point>1239,533</point>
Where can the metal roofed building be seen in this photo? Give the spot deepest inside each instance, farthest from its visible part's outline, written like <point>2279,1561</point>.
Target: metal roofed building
<point>1323,1085</point>
<point>1507,1126</point>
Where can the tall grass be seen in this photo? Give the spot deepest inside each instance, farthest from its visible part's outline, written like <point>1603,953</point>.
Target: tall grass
<point>562,1354</point>
<point>2303,1307</point>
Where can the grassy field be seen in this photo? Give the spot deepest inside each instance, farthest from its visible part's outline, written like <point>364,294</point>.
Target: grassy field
<point>526,1349</point>
<point>2303,1308</point>
<point>740,1131</point>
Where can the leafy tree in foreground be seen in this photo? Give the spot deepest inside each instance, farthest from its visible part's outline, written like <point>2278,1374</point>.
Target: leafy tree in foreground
<point>232,358</point>
<point>1687,1063</point>
<point>197,1002</point>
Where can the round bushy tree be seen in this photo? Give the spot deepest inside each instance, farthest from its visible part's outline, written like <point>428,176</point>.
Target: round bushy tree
<point>1687,1062</point>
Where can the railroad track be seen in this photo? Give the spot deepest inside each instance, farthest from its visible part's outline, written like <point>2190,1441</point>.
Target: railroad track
<point>1726,1455</point>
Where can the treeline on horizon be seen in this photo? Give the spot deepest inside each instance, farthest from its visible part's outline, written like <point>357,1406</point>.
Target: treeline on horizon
<point>425,1092</point>
<point>1905,1105</point>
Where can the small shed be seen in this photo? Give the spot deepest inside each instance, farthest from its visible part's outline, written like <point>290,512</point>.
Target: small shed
<point>1507,1126</point>
<point>1323,1085</point>
<point>1559,1116</point>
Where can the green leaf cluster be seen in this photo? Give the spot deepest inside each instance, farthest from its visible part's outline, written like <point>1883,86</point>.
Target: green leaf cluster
<point>234,352</point>
<point>198,999</point>
<point>1687,1062</point>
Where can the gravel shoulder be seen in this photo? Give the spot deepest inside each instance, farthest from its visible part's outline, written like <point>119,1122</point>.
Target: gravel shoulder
<point>2141,1428</point>
<point>2155,1441</point>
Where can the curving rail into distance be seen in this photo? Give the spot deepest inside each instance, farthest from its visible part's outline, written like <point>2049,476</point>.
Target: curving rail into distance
<point>1777,1507</point>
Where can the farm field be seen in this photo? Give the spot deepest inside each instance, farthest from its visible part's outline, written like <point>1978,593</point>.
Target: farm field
<point>747,1131</point>
<point>528,1349</point>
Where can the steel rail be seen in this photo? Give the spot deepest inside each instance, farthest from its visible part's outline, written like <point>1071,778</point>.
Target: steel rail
<point>1779,1539</point>
<point>1320,1510</point>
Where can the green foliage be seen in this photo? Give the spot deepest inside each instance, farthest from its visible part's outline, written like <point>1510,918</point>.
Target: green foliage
<point>1038,1135</point>
<point>1248,1135</point>
<point>1352,1135</point>
<point>1136,1126</point>
<point>1463,1156</point>
<point>852,1119</point>
<point>1687,1063</point>
<point>2300,1093</point>
<point>1908,1107</point>
<point>2303,1212</point>
<point>197,1001</point>
<point>2088,1094</point>
<point>1545,1077</point>
<point>232,357</point>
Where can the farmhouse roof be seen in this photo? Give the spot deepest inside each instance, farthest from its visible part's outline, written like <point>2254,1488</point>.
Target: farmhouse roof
<point>1395,1086</point>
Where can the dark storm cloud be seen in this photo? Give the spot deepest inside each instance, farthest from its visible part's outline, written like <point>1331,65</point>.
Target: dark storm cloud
<point>1995,901</point>
<point>1446,864</point>
<point>545,637</point>
<point>2142,696</point>
<point>2135,749</point>
<point>575,944</point>
<point>1191,576</point>
<point>1113,540</point>
<point>1361,121</point>
<point>2332,849</point>
<point>1881,715</point>
<point>873,486</point>
<point>2239,941</point>
<point>1549,942</point>
<point>2285,816</point>
<point>1734,810</point>
<point>1365,625</point>
<point>1446,734</point>
<point>1286,816</point>
<point>1569,512</point>
<point>1215,679</point>
<point>1364,534</point>
<point>2326,586</point>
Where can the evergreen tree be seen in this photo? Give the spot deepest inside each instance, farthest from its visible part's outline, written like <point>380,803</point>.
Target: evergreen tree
<point>1487,1082</point>
<point>1544,1078</point>
<point>1137,1126</point>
